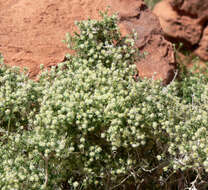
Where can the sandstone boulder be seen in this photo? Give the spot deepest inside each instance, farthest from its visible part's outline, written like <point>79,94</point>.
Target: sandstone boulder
<point>158,62</point>
<point>31,32</point>
<point>176,26</point>
<point>192,8</point>
<point>185,21</point>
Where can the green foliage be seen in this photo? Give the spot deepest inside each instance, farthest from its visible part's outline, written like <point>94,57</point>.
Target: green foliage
<point>151,3</point>
<point>87,124</point>
<point>1,58</point>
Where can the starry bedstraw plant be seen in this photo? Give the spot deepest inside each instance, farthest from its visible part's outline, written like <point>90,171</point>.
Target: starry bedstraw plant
<point>18,100</point>
<point>100,42</point>
<point>87,124</point>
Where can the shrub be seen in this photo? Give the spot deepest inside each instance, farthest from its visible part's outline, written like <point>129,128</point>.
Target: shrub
<point>95,127</point>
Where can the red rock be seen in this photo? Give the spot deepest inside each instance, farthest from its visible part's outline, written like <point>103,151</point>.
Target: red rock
<point>185,21</point>
<point>193,8</point>
<point>159,63</point>
<point>32,32</point>
<point>202,50</point>
<point>178,27</point>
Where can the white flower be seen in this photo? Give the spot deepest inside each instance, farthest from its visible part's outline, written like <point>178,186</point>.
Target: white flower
<point>75,184</point>
<point>159,157</point>
<point>90,36</point>
<point>71,149</point>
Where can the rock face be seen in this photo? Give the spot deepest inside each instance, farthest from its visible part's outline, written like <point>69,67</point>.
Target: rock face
<point>193,8</point>
<point>202,50</point>
<point>185,21</point>
<point>31,32</point>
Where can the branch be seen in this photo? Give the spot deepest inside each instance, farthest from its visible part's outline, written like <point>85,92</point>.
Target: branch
<point>193,187</point>
<point>162,165</point>
<point>122,181</point>
<point>46,170</point>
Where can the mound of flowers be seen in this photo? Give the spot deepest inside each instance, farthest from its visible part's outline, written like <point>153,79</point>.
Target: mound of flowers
<point>88,124</point>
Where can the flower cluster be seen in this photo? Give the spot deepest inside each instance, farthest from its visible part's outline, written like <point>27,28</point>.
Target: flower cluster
<point>18,100</point>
